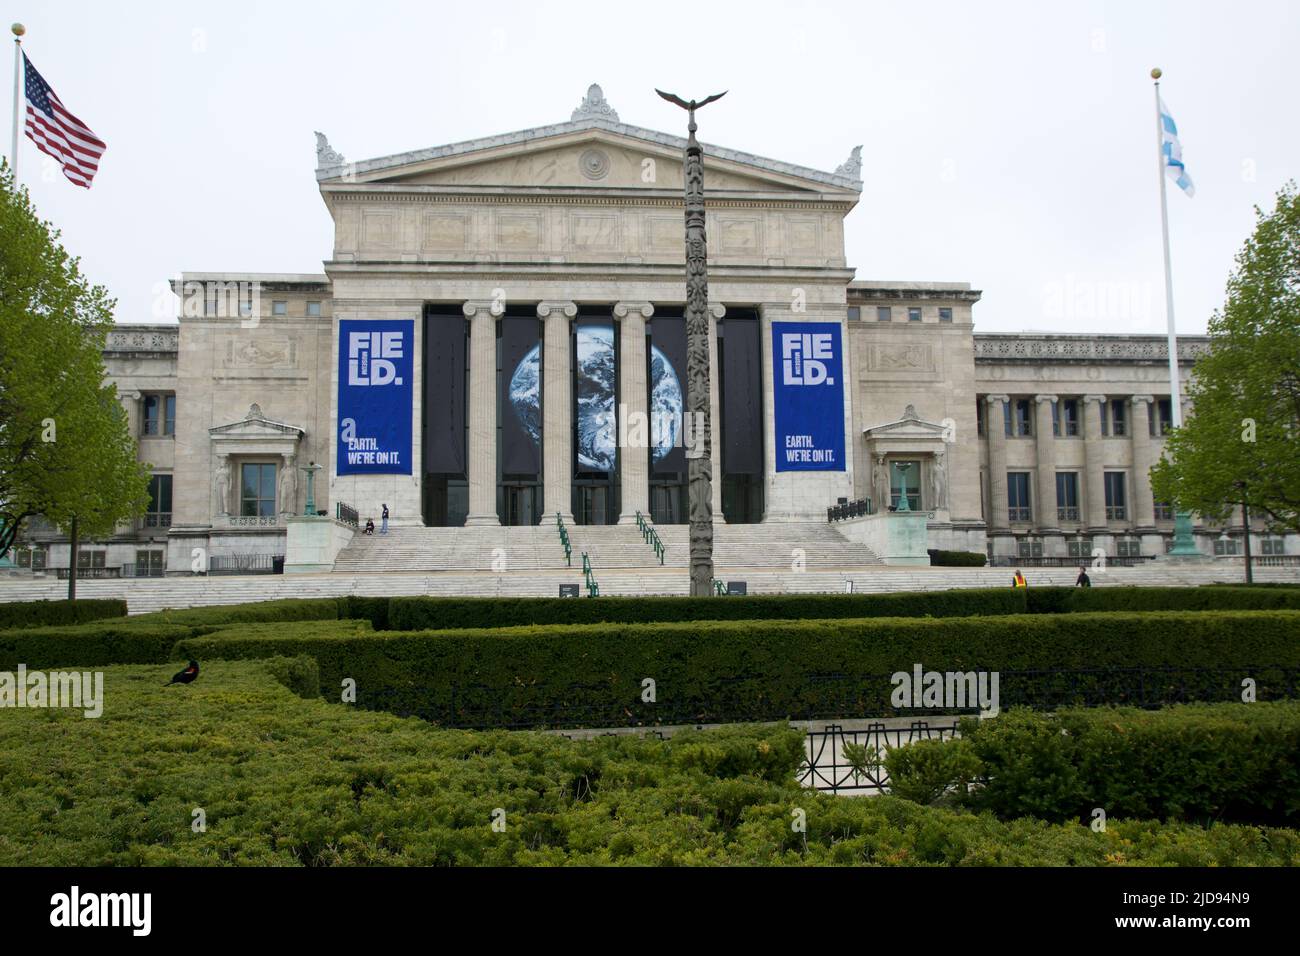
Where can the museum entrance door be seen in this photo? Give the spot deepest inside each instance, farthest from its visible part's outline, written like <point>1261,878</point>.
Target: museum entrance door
<point>521,503</point>
<point>668,504</point>
<point>594,504</point>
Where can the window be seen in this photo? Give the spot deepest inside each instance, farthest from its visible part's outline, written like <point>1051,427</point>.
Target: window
<point>1079,547</point>
<point>279,307</point>
<point>1024,418</point>
<point>158,415</point>
<point>88,559</point>
<point>1118,418</point>
<point>1272,546</point>
<point>159,514</point>
<point>313,309</point>
<point>1029,548</point>
<point>945,315</point>
<point>1162,417</point>
<point>1115,506</point>
<point>1164,511</point>
<point>1128,548</point>
<point>33,558</point>
<point>1066,412</point>
<point>1224,547</point>
<point>884,313</point>
<point>1067,495</point>
<point>855,313</point>
<point>914,315</point>
<point>979,416</point>
<point>149,564</point>
<point>257,491</point>
<point>1018,496</point>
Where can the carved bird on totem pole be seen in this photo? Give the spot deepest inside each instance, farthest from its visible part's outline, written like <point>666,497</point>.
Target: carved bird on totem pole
<point>692,105</point>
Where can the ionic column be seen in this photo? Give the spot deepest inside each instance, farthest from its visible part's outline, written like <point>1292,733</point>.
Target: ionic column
<point>482,414</point>
<point>1142,510</point>
<point>557,411</point>
<point>997,437</point>
<point>634,420</point>
<point>1045,449</point>
<point>716,312</point>
<point>1094,448</point>
<point>131,403</point>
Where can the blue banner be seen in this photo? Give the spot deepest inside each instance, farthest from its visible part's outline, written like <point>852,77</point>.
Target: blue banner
<point>376,390</point>
<point>808,368</point>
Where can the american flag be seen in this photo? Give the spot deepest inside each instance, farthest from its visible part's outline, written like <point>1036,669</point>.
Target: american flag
<point>58,133</point>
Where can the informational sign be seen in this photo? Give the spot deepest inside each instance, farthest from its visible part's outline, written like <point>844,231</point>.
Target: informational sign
<point>808,368</point>
<point>376,388</point>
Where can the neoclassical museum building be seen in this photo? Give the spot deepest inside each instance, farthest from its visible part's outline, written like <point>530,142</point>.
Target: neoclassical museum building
<point>498,337</point>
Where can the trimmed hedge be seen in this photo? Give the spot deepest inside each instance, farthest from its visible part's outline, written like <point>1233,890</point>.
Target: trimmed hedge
<point>1075,600</point>
<point>292,782</point>
<point>755,670</point>
<point>130,642</point>
<point>89,645</point>
<point>1197,762</point>
<point>428,613</point>
<point>17,614</point>
<point>957,559</point>
<point>219,615</point>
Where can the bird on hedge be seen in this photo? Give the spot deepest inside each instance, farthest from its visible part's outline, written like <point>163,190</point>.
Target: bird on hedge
<point>187,676</point>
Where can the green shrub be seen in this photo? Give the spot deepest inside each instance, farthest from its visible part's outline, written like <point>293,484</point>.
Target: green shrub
<point>711,672</point>
<point>56,613</point>
<point>293,609</point>
<point>1195,762</point>
<point>289,781</point>
<point>427,613</point>
<point>300,674</point>
<point>1077,600</point>
<point>957,559</point>
<point>89,645</point>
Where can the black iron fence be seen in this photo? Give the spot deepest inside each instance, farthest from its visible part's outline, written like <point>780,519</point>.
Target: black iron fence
<point>849,509</point>
<point>345,513</point>
<point>826,697</point>
<point>1042,561</point>
<point>853,761</point>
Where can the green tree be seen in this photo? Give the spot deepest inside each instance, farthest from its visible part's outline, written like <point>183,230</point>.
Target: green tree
<point>1243,437</point>
<point>65,448</point>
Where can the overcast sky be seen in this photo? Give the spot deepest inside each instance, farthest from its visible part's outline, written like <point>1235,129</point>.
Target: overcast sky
<point>1009,145</point>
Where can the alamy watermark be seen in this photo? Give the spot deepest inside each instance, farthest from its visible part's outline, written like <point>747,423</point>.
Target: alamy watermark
<point>78,690</point>
<point>947,690</point>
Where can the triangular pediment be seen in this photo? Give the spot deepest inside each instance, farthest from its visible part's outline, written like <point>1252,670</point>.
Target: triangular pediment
<point>592,151</point>
<point>255,426</point>
<point>908,427</point>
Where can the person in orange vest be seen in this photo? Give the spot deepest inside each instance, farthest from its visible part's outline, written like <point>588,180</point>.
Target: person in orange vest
<point>1019,581</point>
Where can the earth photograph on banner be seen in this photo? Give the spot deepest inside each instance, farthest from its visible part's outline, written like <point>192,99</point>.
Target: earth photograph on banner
<point>718,456</point>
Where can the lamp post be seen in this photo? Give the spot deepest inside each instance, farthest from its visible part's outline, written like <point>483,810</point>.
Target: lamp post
<point>311,470</point>
<point>699,466</point>
<point>903,504</point>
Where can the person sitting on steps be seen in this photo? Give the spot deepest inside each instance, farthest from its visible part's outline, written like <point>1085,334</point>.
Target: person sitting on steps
<point>370,526</point>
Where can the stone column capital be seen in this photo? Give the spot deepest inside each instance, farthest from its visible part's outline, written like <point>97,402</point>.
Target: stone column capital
<point>1042,399</point>
<point>1094,398</point>
<point>994,399</point>
<point>135,396</point>
<point>567,309</point>
<point>1142,399</point>
<point>717,309</point>
<point>484,306</point>
<point>623,309</point>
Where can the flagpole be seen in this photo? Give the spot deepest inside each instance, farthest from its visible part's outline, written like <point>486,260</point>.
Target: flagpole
<point>1175,398</point>
<point>1184,545</point>
<point>18,31</point>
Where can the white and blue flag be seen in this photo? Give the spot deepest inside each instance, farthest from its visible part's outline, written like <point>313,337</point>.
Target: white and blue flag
<point>1173,151</point>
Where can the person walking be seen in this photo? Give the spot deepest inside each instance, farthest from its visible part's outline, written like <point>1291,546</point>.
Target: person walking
<point>1083,581</point>
<point>383,521</point>
<point>1019,581</point>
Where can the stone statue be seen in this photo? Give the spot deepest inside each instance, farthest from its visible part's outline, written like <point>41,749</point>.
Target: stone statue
<point>325,154</point>
<point>852,167</point>
<point>880,485</point>
<point>594,106</point>
<point>938,483</point>
<point>223,485</point>
<point>288,487</point>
